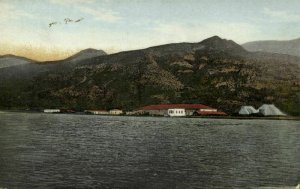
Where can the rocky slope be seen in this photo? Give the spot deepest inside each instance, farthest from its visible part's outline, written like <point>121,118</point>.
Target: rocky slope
<point>290,47</point>
<point>215,72</point>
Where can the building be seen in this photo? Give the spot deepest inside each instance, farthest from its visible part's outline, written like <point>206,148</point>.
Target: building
<point>209,112</point>
<point>97,112</point>
<point>51,110</point>
<point>176,112</point>
<point>135,112</point>
<point>115,112</point>
<point>68,111</point>
<point>162,109</point>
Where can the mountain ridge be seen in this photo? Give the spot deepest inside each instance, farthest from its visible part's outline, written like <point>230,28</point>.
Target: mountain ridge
<point>216,72</point>
<point>290,47</point>
<point>9,60</point>
<point>85,54</point>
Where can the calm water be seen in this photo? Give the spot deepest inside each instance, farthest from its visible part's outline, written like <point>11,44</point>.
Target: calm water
<point>82,151</point>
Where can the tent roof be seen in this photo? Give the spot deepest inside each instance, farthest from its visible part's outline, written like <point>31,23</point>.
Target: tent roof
<point>247,110</point>
<point>270,110</point>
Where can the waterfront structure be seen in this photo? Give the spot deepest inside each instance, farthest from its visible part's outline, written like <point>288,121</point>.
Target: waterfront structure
<point>162,109</point>
<point>176,112</point>
<point>210,112</point>
<point>67,111</point>
<point>135,112</point>
<point>51,110</point>
<point>248,110</point>
<point>115,112</point>
<point>97,112</point>
<point>270,110</point>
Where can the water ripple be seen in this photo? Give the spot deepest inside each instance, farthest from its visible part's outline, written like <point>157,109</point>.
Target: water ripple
<point>81,151</point>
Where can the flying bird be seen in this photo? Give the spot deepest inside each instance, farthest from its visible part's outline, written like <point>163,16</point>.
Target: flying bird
<point>79,20</point>
<point>67,20</point>
<point>52,23</point>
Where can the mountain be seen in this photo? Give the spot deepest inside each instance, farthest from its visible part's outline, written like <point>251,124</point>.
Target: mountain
<point>291,47</point>
<point>85,54</point>
<point>216,72</point>
<point>12,60</point>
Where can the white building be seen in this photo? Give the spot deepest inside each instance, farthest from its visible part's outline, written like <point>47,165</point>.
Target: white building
<point>97,112</point>
<point>115,112</point>
<point>51,110</point>
<point>176,112</point>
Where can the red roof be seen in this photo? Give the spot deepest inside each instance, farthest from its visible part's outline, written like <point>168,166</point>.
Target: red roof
<point>169,106</point>
<point>210,113</point>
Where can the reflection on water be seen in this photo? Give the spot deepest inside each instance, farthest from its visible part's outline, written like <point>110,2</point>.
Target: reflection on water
<point>81,151</point>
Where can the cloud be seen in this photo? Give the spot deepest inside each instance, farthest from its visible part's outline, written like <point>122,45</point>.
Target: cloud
<point>101,14</point>
<point>237,31</point>
<point>88,7</point>
<point>282,15</point>
<point>71,2</point>
<point>10,12</point>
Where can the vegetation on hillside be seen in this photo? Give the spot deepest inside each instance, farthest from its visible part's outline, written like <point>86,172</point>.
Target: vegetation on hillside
<point>215,72</point>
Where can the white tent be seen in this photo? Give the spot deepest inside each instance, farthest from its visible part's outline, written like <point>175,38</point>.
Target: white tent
<point>270,110</point>
<point>247,110</point>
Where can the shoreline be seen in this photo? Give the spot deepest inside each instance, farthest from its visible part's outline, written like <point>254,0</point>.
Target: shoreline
<point>294,118</point>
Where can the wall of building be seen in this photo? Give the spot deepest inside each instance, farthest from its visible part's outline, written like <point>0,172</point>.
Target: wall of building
<point>51,110</point>
<point>115,112</point>
<point>189,112</point>
<point>165,112</point>
<point>157,112</point>
<point>176,112</point>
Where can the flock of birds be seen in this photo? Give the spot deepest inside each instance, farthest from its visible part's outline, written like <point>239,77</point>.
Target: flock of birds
<point>66,20</point>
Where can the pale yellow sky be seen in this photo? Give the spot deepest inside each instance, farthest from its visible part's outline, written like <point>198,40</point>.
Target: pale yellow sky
<point>41,53</point>
<point>34,52</point>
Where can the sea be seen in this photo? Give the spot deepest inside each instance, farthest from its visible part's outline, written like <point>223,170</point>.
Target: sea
<point>39,150</point>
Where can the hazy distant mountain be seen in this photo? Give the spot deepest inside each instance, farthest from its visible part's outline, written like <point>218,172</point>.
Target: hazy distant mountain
<point>86,54</point>
<point>291,47</point>
<point>12,60</point>
<point>216,72</point>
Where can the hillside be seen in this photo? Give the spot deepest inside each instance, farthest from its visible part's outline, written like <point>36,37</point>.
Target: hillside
<point>12,60</point>
<point>290,47</point>
<point>215,72</point>
<point>85,54</point>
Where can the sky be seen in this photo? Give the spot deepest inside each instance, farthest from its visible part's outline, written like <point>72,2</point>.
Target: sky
<point>120,25</point>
